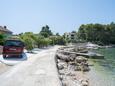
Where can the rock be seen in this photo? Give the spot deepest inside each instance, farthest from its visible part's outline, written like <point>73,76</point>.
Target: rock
<point>77,68</point>
<point>71,74</point>
<point>84,82</point>
<point>80,59</point>
<point>61,65</point>
<point>62,72</point>
<point>70,82</point>
<point>72,63</point>
<point>61,48</point>
<point>72,57</point>
<point>83,51</point>
<point>64,83</point>
<point>58,60</point>
<point>61,77</point>
<point>68,63</point>
<point>66,56</point>
<point>71,67</point>
<point>84,67</point>
<point>63,57</point>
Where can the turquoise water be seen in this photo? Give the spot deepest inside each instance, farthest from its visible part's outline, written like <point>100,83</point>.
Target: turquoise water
<point>106,67</point>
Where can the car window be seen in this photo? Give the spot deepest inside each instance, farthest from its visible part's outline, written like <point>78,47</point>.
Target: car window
<point>14,43</point>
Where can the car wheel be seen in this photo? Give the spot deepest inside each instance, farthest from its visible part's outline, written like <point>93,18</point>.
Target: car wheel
<point>4,56</point>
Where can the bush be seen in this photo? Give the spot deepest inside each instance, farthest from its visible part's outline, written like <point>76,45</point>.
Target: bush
<point>28,39</point>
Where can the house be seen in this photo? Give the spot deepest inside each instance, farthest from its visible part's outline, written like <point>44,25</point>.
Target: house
<point>4,30</point>
<point>71,36</point>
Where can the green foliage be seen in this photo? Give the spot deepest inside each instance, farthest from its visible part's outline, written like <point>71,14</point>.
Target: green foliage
<point>57,34</point>
<point>28,39</point>
<point>2,39</point>
<point>43,39</point>
<point>29,43</point>
<point>57,40</point>
<point>98,33</point>
<point>46,32</point>
<point>34,40</point>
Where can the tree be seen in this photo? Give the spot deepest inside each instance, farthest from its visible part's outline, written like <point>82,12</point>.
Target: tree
<point>2,39</point>
<point>82,33</point>
<point>29,43</point>
<point>46,32</point>
<point>41,41</point>
<point>34,40</point>
<point>98,33</point>
<point>29,39</point>
<point>57,40</point>
<point>57,34</point>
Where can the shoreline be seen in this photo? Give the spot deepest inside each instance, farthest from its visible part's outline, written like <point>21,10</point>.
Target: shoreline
<point>96,76</point>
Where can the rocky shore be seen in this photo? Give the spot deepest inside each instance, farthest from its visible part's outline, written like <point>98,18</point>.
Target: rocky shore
<point>72,68</point>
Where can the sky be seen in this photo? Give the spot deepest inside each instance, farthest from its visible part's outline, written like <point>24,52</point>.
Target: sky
<point>61,15</point>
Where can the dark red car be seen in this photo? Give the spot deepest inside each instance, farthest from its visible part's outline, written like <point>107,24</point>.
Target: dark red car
<point>13,48</point>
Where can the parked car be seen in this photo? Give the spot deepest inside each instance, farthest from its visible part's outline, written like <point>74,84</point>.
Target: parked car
<point>13,48</point>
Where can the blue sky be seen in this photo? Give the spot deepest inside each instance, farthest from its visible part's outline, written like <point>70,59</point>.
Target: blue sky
<point>61,15</point>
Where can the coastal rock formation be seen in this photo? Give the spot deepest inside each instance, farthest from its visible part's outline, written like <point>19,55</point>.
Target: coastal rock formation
<point>69,65</point>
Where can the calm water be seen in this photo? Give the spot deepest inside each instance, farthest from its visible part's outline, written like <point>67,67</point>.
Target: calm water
<point>106,68</point>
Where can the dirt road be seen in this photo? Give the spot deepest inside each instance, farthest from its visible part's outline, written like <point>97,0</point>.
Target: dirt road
<point>39,70</point>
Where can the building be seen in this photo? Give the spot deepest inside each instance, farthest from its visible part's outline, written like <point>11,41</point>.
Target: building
<point>71,36</point>
<point>4,30</point>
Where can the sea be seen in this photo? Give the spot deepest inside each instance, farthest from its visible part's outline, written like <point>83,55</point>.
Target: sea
<point>103,71</point>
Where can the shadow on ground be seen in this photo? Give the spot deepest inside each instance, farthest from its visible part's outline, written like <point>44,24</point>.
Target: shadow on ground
<point>13,60</point>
